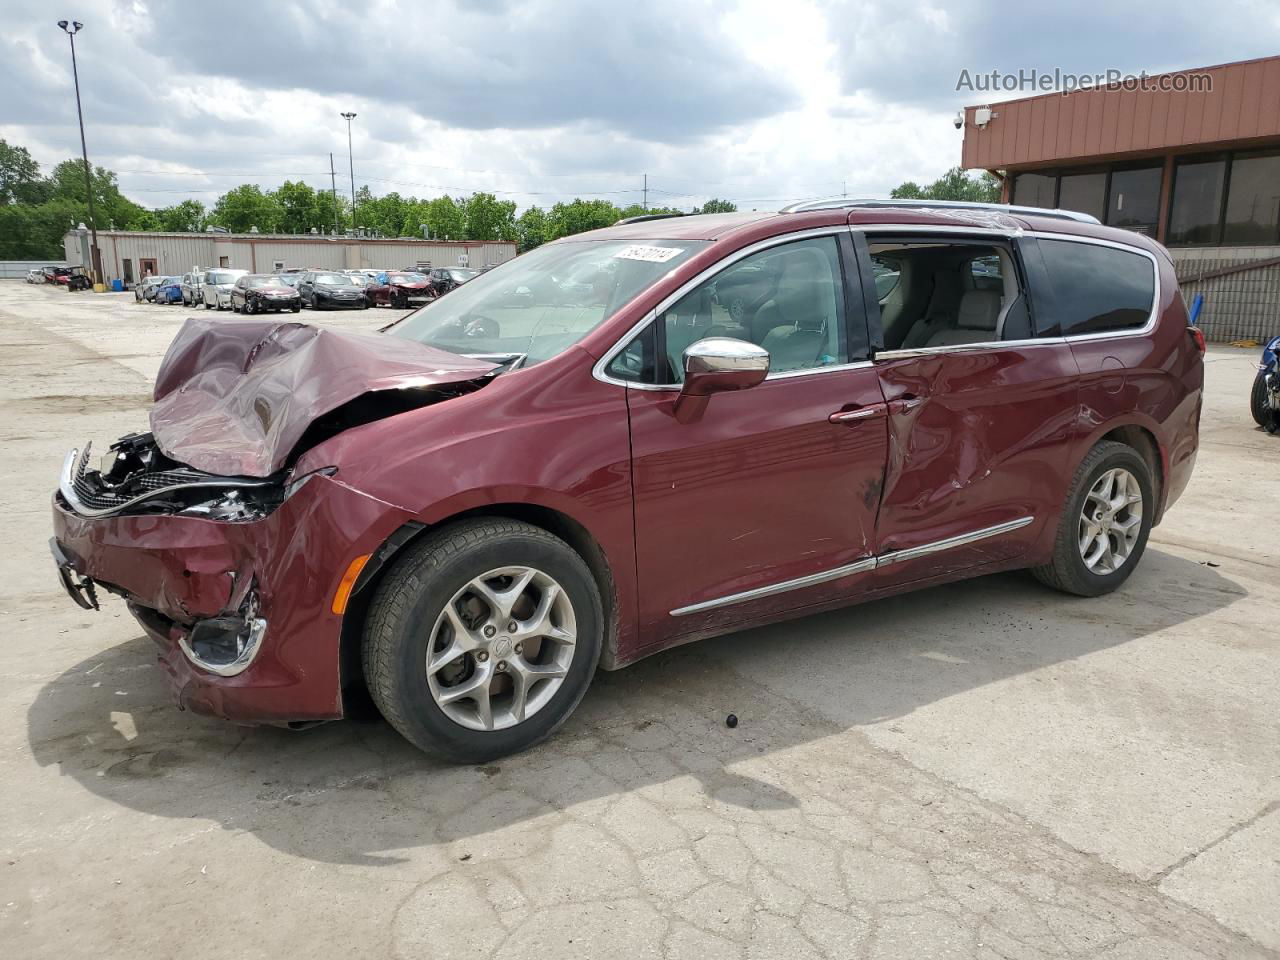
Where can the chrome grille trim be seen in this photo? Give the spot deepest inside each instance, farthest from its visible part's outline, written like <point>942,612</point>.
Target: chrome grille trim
<point>88,501</point>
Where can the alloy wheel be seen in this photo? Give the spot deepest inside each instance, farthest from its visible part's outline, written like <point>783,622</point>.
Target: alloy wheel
<point>501,648</point>
<point>1110,521</point>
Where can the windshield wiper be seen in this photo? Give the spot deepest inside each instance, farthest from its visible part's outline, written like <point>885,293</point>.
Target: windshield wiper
<point>511,361</point>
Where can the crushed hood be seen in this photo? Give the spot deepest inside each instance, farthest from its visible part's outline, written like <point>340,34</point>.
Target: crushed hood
<point>234,397</point>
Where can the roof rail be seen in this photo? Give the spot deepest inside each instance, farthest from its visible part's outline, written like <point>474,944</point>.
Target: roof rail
<point>649,216</point>
<point>837,203</point>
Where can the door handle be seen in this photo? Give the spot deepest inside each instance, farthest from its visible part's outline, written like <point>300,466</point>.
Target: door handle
<point>905,404</point>
<point>850,417</point>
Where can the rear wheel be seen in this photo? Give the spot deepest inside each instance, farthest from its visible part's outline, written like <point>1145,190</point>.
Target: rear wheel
<point>482,639</point>
<point>1105,524</point>
<point>1258,400</point>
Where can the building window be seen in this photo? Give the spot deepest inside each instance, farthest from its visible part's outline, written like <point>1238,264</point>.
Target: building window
<point>277,265</point>
<point>1034,190</point>
<point>1134,200</point>
<point>1253,200</point>
<point>1084,193</point>
<point>1196,210</point>
<point>224,261</point>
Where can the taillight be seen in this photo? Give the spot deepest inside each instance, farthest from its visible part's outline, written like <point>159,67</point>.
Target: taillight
<point>1198,336</point>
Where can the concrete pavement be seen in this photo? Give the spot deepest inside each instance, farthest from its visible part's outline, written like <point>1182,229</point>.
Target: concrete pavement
<point>987,769</point>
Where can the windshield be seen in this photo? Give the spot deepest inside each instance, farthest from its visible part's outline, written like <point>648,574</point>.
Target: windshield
<point>542,303</point>
<point>264,281</point>
<point>224,276</point>
<point>462,276</point>
<point>406,278</point>
<point>333,279</point>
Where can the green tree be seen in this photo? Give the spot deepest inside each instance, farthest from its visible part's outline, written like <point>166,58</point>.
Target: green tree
<point>488,218</point>
<point>715,205</point>
<point>389,215</point>
<point>955,184</point>
<point>636,210</point>
<point>247,206</point>
<point>445,218</point>
<point>531,229</point>
<point>566,219</point>
<point>66,182</point>
<point>20,180</point>
<point>302,207</point>
<point>183,217</point>
<point>35,231</point>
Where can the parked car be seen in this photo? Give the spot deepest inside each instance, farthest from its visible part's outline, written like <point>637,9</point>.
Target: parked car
<point>399,289</point>
<point>444,279</point>
<point>145,289</point>
<point>56,275</point>
<point>325,289</point>
<point>192,288</point>
<point>263,293</point>
<point>170,291</point>
<point>215,292</point>
<point>35,275</point>
<point>290,279</point>
<point>468,513</point>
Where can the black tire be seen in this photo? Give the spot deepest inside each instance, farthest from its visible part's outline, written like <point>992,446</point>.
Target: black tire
<point>296,307</point>
<point>1067,571</point>
<point>208,305</point>
<point>1258,400</point>
<point>409,600</point>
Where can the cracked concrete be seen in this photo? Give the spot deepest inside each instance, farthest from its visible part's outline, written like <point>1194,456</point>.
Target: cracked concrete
<point>983,770</point>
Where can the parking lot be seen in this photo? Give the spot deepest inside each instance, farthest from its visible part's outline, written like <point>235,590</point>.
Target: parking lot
<point>986,769</point>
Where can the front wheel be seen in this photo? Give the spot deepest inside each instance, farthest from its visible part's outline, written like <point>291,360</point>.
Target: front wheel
<point>1258,400</point>
<point>482,639</point>
<point>1105,524</point>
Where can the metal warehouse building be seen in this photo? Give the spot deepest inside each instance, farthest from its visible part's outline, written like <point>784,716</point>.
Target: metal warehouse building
<point>130,256</point>
<point>1193,160</point>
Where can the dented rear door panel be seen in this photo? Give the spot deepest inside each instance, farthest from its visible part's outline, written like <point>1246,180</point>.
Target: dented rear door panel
<point>978,437</point>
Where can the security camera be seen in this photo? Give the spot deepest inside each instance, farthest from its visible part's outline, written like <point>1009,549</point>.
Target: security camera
<point>959,120</point>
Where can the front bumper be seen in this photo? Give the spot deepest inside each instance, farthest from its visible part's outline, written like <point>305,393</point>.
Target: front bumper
<point>191,581</point>
<point>341,303</point>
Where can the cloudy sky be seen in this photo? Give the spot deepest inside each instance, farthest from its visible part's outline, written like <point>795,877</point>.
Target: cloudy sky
<point>757,101</point>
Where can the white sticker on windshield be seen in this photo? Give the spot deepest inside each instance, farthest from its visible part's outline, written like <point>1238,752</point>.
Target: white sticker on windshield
<point>651,254</point>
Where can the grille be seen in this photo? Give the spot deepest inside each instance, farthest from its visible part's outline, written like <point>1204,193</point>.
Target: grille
<point>95,495</point>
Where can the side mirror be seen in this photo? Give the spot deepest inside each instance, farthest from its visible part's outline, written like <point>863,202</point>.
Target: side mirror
<point>718,364</point>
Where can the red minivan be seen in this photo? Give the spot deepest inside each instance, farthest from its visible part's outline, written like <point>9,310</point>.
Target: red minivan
<point>634,438</point>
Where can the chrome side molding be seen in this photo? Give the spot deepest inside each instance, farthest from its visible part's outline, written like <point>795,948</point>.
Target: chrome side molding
<point>785,586</point>
<point>859,566</point>
<point>897,556</point>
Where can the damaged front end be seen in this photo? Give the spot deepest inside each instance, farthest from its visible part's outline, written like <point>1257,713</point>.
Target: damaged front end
<point>227,556</point>
<point>136,476</point>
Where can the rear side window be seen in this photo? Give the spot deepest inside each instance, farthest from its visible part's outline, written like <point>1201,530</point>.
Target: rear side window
<point>1096,288</point>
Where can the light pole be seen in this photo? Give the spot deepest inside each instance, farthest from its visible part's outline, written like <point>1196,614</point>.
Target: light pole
<point>352,166</point>
<point>71,29</point>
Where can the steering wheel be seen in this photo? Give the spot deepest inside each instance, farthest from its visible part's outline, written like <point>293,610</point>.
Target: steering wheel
<point>478,325</point>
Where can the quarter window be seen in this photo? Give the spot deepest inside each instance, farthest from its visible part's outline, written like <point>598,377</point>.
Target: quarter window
<point>1097,288</point>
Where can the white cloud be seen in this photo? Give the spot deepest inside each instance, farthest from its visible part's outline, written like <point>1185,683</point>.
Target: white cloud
<point>540,101</point>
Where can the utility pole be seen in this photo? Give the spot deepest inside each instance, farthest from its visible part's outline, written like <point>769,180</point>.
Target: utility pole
<point>352,164</point>
<point>95,266</point>
<point>646,193</point>
<point>333,185</point>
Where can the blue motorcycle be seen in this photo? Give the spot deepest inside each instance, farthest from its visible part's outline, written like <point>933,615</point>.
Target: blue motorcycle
<point>1264,399</point>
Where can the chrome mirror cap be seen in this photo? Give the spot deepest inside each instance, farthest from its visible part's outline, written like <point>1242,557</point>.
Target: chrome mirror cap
<point>723,363</point>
